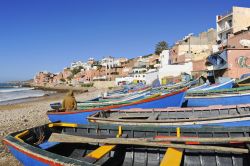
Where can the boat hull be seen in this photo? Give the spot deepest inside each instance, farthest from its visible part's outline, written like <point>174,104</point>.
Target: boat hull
<point>218,100</point>
<point>198,87</point>
<point>171,101</point>
<point>225,85</point>
<point>78,117</point>
<point>25,159</point>
<point>29,156</point>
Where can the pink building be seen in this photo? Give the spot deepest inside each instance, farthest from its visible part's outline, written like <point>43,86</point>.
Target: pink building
<point>43,78</point>
<point>238,62</point>
<point>66,73</point>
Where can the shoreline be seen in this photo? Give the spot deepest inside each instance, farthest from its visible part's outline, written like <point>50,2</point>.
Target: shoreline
<point>50,92</point>
<point>63,89</point>
<point>28,114</point>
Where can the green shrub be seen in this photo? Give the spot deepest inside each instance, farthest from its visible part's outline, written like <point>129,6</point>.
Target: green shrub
<point>62,79</point>
<point>87,85</point>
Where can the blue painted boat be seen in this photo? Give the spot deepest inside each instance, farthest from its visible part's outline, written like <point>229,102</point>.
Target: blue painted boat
<point>219,99</point>
<point>226,85</point>
<point>197,88</point>
<point>32,147</point>
<point>172,99</point>
<point>226,116</point>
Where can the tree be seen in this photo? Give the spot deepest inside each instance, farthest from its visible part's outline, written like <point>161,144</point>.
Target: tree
<point>76,70</point>
<point>62,79</point>
<point>160,46</point>
<point>70,77</point>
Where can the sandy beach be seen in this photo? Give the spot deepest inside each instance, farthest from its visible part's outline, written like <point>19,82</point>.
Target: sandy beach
<point>29,114</point>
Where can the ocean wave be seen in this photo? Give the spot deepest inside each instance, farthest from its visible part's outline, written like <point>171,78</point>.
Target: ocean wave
<point>14,90</point>
<point>20,96</point>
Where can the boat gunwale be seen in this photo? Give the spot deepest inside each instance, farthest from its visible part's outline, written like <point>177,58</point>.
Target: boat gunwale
<point>218,96</point>
<point>200,119</point>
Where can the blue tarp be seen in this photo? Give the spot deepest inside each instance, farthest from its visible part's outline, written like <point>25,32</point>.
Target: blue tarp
<point>218,60</point>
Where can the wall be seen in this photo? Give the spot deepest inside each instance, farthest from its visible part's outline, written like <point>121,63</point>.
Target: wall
<point>199,65</point>
<point>241,18</point>
<point>175,70</point>
<point>104,84</point>
<point>200,47</point>
<point>126,79</point>
<point>234,69</point>
<point>150,77</point>
<point>234,40</point>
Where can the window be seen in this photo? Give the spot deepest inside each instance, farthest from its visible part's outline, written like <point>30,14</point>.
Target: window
<point>230,23</point>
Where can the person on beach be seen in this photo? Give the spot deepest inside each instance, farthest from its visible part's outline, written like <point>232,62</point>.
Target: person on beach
<point>69,102</point>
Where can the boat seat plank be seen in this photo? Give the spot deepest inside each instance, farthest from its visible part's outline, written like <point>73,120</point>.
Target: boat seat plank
<point>99,153</point>
<point>47,145</point>
<point>154,116</point>
<point>172,157</point>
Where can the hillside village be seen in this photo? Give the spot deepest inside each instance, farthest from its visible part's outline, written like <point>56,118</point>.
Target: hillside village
<point>214,53</point>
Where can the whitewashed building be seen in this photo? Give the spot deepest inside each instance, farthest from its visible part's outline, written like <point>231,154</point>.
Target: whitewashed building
<point>167,70</point>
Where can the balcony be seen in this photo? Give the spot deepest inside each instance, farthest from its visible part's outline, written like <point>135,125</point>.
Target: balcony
<point>224,16</point>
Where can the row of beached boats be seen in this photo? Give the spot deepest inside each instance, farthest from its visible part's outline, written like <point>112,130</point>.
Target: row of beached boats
<point>180,124</point>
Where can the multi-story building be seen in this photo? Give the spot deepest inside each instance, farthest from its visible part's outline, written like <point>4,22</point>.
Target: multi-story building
<point>76,64</point>
<point>91,61</point>
<point>172,72</point>
<point>43,78</point>
<point>234,60</point>
<point>236,20</point>
<point>193,48</point>
<point>139,74</point>
<point>109,62</point>
<point>192,51</point>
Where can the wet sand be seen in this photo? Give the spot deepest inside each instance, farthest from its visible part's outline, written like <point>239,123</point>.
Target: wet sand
<point>15,117</point>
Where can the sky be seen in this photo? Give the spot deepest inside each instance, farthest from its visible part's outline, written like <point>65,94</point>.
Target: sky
<point>47,35</point>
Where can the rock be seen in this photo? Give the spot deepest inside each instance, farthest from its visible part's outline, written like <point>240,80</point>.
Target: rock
<point>2,133</point>
<point>25,120</point>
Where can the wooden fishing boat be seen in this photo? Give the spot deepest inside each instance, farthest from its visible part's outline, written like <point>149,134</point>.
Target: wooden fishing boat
<point>99,101</point>
<point>237,115</point>
<point>221,91</point>
<point>102,102</point>
<point>218,99</point>
<point>71,144</point>
<point>226,85</point>
<point>180,85</point>
<point>244,82</point>
<point>120,95</point>
<point>198,88</point>
<point>171,99</point>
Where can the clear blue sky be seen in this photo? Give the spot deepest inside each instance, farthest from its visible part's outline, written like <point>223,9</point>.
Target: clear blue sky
<point>37,35</point>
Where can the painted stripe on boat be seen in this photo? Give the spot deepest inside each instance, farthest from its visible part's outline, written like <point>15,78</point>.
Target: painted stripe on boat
<point>33,155</point>
<point>217,96</point>
<point>62,125</point>
<point>22,134</point>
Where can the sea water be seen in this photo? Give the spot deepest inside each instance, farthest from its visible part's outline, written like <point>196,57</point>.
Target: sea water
<point>11,92</point>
